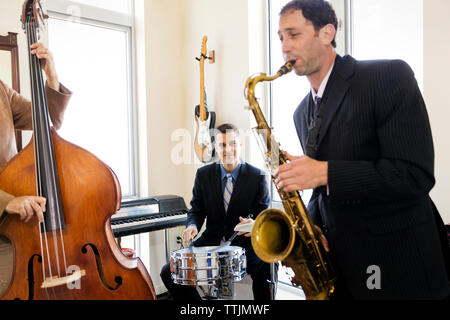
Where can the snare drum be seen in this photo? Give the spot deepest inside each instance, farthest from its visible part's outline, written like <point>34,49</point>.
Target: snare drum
<point>206,265</point>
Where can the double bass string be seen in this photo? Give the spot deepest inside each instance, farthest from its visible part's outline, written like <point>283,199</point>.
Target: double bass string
<point>51,165</point>
<point>51,168</point>
<point>39,91</point>
<point>34,72</point>
<point>36,151</point>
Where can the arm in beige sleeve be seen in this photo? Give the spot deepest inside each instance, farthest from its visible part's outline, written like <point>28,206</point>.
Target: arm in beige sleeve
<point>57,103</point>
<point>21,107</point>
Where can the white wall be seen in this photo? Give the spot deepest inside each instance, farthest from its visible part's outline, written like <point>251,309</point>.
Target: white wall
<point>165,93</point>
<point>436,89</point>
<point>159,79</point>
<point>233,31</point>
<point>174,31</point>
<point>173,36</point>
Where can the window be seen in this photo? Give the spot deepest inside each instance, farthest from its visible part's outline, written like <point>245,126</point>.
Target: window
<point>383,29</point>
<point>122,6</point>
<point>93,58</point>
<point>286,92</point>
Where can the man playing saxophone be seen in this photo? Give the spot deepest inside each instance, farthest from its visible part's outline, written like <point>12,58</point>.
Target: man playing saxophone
<point>369,157</point>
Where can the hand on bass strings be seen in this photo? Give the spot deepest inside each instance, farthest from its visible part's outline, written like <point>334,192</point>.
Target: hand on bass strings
<point>47,63</point>
<point>27,207</point>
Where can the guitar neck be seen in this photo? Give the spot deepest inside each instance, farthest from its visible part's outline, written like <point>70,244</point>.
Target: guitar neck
<point>202,79</point>
<point>202,91</point>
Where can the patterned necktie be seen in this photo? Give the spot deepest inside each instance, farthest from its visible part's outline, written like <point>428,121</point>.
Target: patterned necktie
<point>317,101</point>
<point>228,191</point>
<point>313,133</point>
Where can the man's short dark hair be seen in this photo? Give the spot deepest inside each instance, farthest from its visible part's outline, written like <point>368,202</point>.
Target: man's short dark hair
<point>319,12</point>
<point>226,128</point>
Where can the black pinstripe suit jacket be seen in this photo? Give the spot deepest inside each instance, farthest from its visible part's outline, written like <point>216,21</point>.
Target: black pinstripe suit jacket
<point>376,136</point>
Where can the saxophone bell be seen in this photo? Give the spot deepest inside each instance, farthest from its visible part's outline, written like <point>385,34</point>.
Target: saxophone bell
<point>273,235</point>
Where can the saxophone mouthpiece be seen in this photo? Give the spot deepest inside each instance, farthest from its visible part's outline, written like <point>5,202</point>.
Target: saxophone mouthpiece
<point>287,67</point>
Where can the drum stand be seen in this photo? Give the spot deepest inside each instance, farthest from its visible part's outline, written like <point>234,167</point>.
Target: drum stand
<point>272,282</point>
<point>223,289</point>
<point>226,289</point>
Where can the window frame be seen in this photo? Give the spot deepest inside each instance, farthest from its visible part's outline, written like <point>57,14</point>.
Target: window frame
<point>103,18</point>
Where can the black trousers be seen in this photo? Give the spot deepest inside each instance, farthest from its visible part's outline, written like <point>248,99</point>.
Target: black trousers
<point>258,270</point>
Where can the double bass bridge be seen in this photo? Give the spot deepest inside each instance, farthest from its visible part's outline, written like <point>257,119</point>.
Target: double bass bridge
<point>52,282</point>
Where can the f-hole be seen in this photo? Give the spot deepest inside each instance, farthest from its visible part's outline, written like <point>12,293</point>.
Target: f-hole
<point>31,281</point>
<point>100,271</point>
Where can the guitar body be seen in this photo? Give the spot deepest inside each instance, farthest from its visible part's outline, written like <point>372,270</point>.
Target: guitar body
<point>204,136</point>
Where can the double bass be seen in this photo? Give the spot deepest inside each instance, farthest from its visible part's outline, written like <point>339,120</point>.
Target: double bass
<point>72,254</point>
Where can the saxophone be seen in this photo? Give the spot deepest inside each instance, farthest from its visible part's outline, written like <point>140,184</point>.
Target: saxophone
<point>288,236</point>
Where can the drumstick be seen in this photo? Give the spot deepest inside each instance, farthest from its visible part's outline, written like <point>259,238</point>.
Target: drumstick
<point>236,232</point>
<point>227,243</point>
<point>191,245</point>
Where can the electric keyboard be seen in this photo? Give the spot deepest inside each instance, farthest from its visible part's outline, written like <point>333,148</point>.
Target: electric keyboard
<point>149,214</point>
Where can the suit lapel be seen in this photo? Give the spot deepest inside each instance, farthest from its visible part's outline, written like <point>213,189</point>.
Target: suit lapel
<point>217,189</point>
<point>305,119</point>
<point>335,91</point>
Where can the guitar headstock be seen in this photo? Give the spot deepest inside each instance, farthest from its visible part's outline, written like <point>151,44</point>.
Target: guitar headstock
<point>32,12</point>
<point>203,51</point>
<point>203,56</point>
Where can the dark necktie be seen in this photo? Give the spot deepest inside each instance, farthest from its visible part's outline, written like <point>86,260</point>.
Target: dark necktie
<point>313,132</point>
<point>228,191</point>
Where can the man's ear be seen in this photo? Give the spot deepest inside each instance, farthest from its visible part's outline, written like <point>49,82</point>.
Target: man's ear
<point>327,34</point>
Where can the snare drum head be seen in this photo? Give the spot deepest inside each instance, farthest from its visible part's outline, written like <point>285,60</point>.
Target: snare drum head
<point>207,265</point>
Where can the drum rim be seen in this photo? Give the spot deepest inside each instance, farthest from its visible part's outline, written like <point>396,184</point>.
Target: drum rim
<point>194,251</point>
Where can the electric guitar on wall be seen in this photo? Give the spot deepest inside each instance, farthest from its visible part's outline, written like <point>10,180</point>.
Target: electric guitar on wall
<point>204,119</point>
